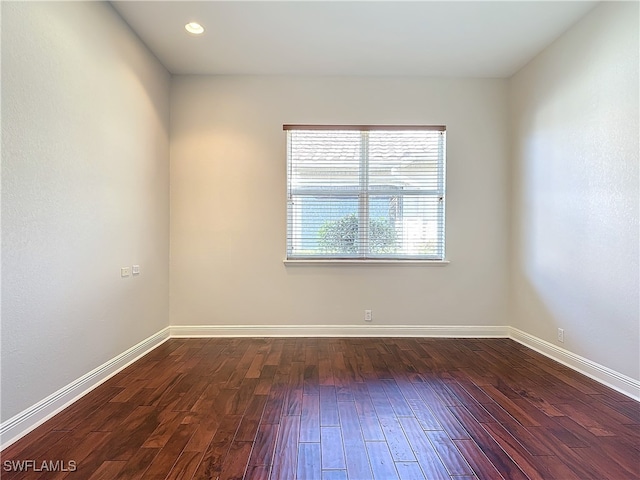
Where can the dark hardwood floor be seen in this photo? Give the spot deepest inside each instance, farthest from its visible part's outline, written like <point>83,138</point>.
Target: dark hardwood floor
<point>323,408</point>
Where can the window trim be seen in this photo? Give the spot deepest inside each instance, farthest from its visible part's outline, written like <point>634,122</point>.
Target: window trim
<point>365,128</point>
<point>365,262</point>
<point>369,261</point>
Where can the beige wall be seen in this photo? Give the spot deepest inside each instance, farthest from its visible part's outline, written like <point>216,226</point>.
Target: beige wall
<point>574,112</point>
<point>84,191</point>
<point>228,203</point>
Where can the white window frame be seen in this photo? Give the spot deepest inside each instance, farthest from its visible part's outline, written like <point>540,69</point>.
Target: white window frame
<point>363,258</point>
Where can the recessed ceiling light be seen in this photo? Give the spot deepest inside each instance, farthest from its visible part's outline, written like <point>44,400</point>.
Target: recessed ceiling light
<point>195,28</point>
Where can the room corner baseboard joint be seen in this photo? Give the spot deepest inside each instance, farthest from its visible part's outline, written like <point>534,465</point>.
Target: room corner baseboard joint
<point>611,378</point>
<point>24,422</point>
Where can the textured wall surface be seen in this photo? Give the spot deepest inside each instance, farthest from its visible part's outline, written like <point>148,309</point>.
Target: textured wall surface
<point>575,190</point>
<point>228,203</point>
<point>84,191</point>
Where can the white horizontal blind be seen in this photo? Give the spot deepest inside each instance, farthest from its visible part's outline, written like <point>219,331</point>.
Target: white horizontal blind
<point>365,192</point>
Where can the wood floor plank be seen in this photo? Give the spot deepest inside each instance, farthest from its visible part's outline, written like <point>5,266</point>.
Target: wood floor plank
<point>586,462</point>
<point>379,366</point>
<point>442,390</point>
<point>251,420</point>
<point>358,462</point>
<point>625,456</point>
<point>169,453</point>
<point>138,464</point>
<point>599,406</point>
<point>92,405</point>
<point>255,369</point>
<point>35,449</point>
<point>186,466</point>
<point>624,406</point>
<point>310,419</point>
<point>396,398</point>
<point>137,428</point>
<point>325,370</point>
<point>343,377</point>
<point>448,452</point>
<point>409,471</point>
<point>332,448</point>
<point>381,462</point>
<point>334,475</point>
<point>168,424</point>
<point>293,397</point>
<point>286,452</point>
<point>264,445</point>
<point>275,402</point>
<point>242,366</point>
<point>350,424</point>
<point>108,471</point>
<point>328,406</point>
<point>265,381</point>
<point>24,464</point>
<point>356,457</point>
<point>556,468</point>
<point>425,453</point>
<point>449,423</point>
<point>526,462</point>
<point>235,464</point>
<point>488,445</point>
<point>371,429</point>
<point>258,472</point>
<point>202,437</point>
<point>190,397</point>
<point>129,391</point>
<point>557,432</point>
<point>380,401</point>
<point>523,415</point>
<point>90,444</point>
<point>481,465</point>
<point>311,380</point>
<point>398,445</point>
<point>523,434</point>
<point>565,376</point>
<point>309,463</point>
<point>583,415</point>
<point>241,400</point>
<point>214,456</point>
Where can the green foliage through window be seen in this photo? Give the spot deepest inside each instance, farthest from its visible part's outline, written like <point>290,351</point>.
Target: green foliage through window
<point>341,236</point>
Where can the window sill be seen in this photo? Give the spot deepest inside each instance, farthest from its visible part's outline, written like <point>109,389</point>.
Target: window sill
<point>369,262</point>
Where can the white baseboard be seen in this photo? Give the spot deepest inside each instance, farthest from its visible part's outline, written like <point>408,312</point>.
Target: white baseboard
<point>186,331</point>
<point>27,420</point>
<point>616,380</point>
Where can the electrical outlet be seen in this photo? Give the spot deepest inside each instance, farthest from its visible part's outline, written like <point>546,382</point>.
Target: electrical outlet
<point>367,316</point>
<point>135,269</point>
<point>125,271</point>
<point>561,335</point>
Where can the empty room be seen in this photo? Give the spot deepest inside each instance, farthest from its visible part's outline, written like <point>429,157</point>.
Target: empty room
<point>320,240</point>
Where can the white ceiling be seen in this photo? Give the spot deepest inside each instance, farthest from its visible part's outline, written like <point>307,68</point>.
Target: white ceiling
<point>430,38</point>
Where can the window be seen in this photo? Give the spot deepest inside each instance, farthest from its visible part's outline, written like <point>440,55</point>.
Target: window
<point>364,193</point>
